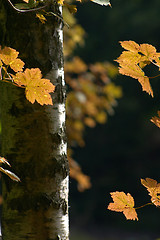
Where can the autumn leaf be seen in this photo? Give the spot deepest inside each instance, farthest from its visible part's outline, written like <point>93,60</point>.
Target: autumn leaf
<point>153,188</point>
<point>156,120</point>
<point>72,8</point>
<point>149,51</point>
<point>146,86</point>
<point>41,17</point>
<point>9,57</point>
<point>76,173</point>
<point>61,2</point>
<point>130,46</point>
<point>134,59</point>
<point>123,203</point>
<point>129,58</point>
<point>36,88</point>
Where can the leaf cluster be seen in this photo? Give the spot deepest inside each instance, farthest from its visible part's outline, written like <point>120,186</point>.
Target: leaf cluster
<point>91,95</point>
<point>133,60</point>
<point>36,88</point>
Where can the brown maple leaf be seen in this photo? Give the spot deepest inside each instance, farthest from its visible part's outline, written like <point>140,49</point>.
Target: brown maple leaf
<point>123,203</point>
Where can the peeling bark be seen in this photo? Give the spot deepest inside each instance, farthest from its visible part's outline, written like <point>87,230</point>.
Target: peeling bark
<point>33,136</point>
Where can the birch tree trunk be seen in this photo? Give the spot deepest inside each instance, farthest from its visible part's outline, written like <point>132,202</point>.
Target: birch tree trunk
<point>33,136</point>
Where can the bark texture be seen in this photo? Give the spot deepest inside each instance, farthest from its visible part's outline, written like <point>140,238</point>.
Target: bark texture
<point>33,136</point>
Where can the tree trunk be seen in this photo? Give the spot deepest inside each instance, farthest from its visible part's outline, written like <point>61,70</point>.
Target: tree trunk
<point>33,136</point>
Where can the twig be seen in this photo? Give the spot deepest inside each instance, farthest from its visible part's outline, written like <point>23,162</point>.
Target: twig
<point>26,10</point>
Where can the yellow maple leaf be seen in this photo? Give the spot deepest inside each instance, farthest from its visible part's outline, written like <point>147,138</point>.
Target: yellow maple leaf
<point>156,120</point>
<point>146,86</point>
<point>61,2</point>
<point>123,203</point>
<point>131,70</point>
<point>153,188</point>
<point>41,17</point>
<point>130,45</point>
<point>148,50</point>
<point>128,57</point>
<point>134,59</point>
<point>9,57</point>
<point>36,88</point>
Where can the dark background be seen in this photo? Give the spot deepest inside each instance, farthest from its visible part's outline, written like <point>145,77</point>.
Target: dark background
<point>124,150</point>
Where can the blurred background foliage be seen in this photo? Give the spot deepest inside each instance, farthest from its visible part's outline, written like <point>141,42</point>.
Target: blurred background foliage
<point>117,154</point>
<point>91,95</point>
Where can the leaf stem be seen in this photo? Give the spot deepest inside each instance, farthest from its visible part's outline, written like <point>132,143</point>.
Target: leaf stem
<point>155,76</point>
<point>144,205</point>
<point>8,80</point>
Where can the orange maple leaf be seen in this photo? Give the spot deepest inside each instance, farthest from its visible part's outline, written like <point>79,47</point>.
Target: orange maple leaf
<point>36,88</point>
<point>153,188</point>
<point>156,120</point>
<point>123,203</point>
<point>9,57</point>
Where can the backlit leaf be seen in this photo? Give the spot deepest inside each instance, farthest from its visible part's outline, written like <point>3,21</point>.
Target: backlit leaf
<point>36,88</point>
<point>123,203</point>
<point>153,188</point>
<point>41,17</point>
<point>148,50</point>
<point>156,120</point>
<point>144,81</point>
<point>129,58</point>
<point>9,57</point>
<point>131,70</point>
<point>130,46</point>
<point>134,59</point>
<point>76,173</point>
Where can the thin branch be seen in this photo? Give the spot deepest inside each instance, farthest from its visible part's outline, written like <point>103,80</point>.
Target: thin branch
<point>26,10</point>
<point>58,16</point>
<point>8,80</point>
